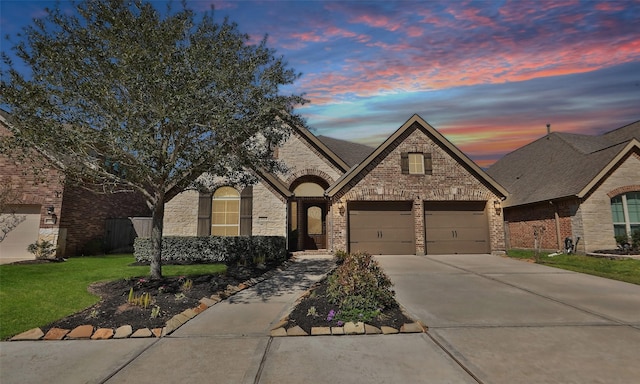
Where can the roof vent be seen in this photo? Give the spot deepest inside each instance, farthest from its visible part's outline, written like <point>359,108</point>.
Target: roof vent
<point>548,128</point>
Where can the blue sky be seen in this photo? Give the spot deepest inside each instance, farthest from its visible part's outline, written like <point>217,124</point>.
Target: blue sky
<point>489,75</point>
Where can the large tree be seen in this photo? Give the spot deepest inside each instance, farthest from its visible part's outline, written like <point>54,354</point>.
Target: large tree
<point>123,97</point>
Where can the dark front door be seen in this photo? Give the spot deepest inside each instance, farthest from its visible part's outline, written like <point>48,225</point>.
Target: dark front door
<point>315,228</point>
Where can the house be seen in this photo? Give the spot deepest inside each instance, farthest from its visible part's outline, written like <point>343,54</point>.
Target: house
<point>572,186</point>
<point>414,194</point>
<point>42,206</point>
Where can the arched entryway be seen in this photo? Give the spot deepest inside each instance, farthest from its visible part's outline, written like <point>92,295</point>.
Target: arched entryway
<point>308,214</point>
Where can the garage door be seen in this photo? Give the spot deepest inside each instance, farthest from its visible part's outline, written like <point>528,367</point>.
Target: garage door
<point>381,228</point>
<point>14,246</point>
<point>456,227</point>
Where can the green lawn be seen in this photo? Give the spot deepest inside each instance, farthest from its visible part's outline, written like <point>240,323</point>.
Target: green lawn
<point>34,295</point>
<point>624,270</point>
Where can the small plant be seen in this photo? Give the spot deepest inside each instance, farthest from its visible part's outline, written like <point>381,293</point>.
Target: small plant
<point>179,296</point>
<point>143,300</point>
<point>94,314</point>
<point>162,289</point>
<point>155,311</point>
<point>186,285</point>
<point>340,256</point>
<point>331,315</point>
<point>312,312</point>
<point>42,249</point>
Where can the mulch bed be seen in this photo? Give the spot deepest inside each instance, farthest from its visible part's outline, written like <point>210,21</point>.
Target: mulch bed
<point>168,294</point>
<point>316,297</point>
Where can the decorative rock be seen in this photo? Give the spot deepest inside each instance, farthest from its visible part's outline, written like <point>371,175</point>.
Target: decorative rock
<point>199,309</point>
<point>242,286</point>
<point>142,332</point>
<point>123,332</point>
<point>278,332</point>
<point>157,332</point>
<point>102,334</point>
<point>388,330</point>
<point>208,302</point>
<point>320,331</point>
<point>81,332</point>
<point>56,334</point>
<point>190,313</point>
<point>371,330</point>
<point>280,324</point>
<point>337,330</point>
<point>216,298</point>
<point>351,328</point>
<point>172,325</point>
<point>296,331</point>
<point>411,328</point>
<point>32,334</point>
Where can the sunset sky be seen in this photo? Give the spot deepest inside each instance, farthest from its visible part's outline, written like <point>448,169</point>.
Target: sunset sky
<point>489,75</point>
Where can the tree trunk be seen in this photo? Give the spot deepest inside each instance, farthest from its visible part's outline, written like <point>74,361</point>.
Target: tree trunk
<point>157,222</point>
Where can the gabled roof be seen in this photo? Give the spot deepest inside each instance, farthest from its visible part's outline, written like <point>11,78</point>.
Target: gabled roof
<point>561,165</point>
<point>322,148</point>
<point>350,152</point>
<point>416,122</point>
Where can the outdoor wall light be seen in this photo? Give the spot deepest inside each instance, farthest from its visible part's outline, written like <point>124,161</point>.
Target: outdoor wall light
<point>497,207</point>
<point>50,210</point>
<point>341,208</point>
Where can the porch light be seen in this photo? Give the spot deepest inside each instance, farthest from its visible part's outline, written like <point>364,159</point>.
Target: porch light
<point>497,207</point>
<point>341,207</point>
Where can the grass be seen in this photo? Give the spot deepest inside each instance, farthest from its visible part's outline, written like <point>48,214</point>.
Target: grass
<point>627,270</point>
<point>34,295</point>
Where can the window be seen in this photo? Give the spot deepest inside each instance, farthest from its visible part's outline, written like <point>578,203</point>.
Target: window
<point>225,212</point>
<point>416,163</point>
<point>625,210</point>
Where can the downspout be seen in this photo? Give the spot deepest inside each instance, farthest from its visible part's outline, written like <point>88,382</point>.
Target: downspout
<point>557,218</point>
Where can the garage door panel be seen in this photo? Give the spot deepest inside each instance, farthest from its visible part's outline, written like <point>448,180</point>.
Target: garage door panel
<point>381,227</point>
<point>456,227</point>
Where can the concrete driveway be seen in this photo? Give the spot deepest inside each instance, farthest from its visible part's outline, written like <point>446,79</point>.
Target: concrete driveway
<point>509,321</point>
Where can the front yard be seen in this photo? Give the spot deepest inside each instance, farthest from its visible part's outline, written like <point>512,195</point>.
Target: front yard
<point>624,270</point>
<point>33,295</point>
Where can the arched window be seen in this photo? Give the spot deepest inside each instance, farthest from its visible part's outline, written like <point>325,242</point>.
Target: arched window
<point>225,212</point>
<point>625,210</point>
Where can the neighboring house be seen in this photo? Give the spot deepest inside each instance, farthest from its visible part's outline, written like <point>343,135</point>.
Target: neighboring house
<point>572,186</point>
<point>45,208</point>
<point>414,194</point>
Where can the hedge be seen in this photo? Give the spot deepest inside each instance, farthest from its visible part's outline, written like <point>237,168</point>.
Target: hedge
<point>214,249</point>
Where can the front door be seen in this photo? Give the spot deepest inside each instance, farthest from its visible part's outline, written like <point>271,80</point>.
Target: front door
<point>315,228</point>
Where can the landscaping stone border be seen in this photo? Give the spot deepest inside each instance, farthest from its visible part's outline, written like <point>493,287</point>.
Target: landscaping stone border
<point>348,328</point>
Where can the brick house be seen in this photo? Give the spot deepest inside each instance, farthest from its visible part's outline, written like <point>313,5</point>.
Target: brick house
<point>572,186</point>
<point>47,208</point>
<point>414,194</point>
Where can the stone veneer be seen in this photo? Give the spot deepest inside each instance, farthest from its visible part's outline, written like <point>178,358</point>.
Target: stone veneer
<point>382,180</point>
<point>181,215</point>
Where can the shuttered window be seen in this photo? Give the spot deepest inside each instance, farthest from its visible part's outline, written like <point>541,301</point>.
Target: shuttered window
<point>225,212</point>
<point>416,163</point>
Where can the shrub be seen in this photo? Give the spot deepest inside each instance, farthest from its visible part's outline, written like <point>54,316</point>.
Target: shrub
<point>340,256</point>
<point>42,249</point>
<point>214,249</point>
<point>359,285</point>
<point>635,239</point>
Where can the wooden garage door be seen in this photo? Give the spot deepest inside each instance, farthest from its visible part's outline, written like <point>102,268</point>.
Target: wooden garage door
<point>456,227</point>
<point>381,228</point>
<point>14,245</point>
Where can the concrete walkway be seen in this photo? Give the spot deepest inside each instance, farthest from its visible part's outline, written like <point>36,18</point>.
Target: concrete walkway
<point>491,319</point>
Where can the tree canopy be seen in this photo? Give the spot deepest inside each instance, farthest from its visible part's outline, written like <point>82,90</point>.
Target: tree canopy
<point>122,96</point>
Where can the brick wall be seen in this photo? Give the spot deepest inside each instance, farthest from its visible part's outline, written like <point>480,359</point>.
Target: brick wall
<point>449,181</point>
<point>596,207</point>
<point>302,160</point>
<point>83,216</point>
<point>523,221</point>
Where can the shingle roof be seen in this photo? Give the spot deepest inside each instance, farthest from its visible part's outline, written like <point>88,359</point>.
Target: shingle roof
<point>350,152</point>
<point>561,165</point>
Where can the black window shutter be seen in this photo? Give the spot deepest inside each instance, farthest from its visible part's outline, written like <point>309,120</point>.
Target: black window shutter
<point>428,164</point>
<point>204,214</point>
<point>246,211</point>
<point>404,162</point>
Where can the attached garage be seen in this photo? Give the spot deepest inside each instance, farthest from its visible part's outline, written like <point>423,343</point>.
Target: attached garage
<point>456,227</point>
<point>14,246</point>
<point>382,227</point>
